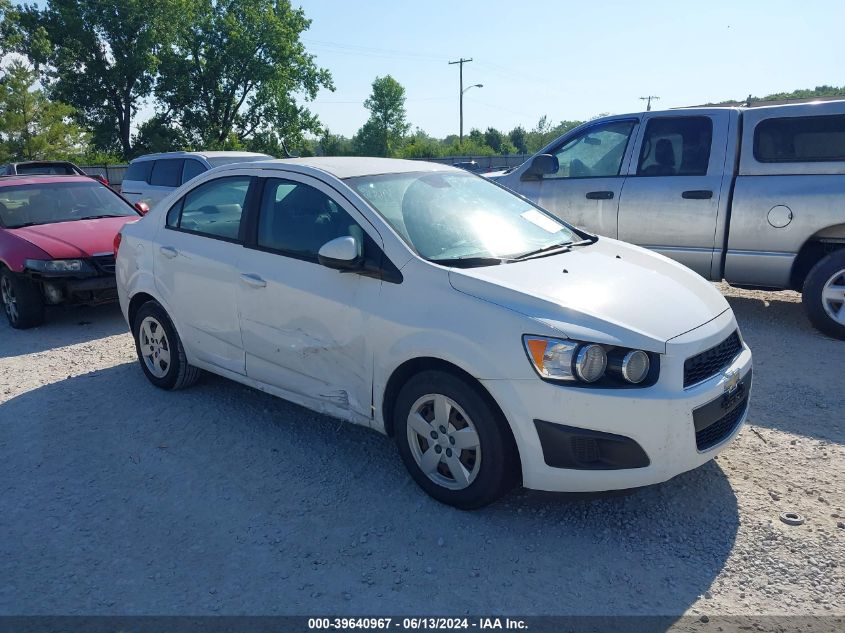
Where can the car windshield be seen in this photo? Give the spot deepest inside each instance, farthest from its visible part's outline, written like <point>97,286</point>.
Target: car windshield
<point>451,216</point>
<point>50,202</point>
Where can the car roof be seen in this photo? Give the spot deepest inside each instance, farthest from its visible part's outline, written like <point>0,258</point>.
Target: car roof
<point>215,154</point>
<point>346,166</point>
<point>35,179</point>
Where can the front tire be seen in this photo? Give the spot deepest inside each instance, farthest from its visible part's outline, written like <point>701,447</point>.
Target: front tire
<point>21,300</point>
<point>823,295</point>
<point>455,445</point>
<point>160,349</point>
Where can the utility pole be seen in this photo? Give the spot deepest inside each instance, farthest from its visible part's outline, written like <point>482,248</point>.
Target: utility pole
<point>649,98</point>
<point>461,63</point>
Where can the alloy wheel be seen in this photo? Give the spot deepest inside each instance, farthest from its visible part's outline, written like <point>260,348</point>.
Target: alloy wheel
<point>10,302</point>
<point>833,297</point>
<point>155,347</point>
<point>444,441</point>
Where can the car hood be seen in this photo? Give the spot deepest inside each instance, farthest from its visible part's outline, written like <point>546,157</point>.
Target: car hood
<point>607,292</point>
<point>78,238</point>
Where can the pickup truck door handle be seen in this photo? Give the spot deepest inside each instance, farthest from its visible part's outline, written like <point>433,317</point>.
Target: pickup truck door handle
<point>168,251</point>
<point>599,195</point>
<point>697,194</point>
<point>252,280</point>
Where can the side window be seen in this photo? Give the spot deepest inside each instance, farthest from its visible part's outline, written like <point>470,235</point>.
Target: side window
<point>595,153</point>
<point>800,139</point>
<point>192,169</point>
<point>214,208</point>
<point>296,219</point>
<point>676,146</point>
<point>139,171</point>
<point>167,173</point>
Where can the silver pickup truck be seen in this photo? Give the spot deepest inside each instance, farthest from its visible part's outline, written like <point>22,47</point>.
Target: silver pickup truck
<point>754,196</point>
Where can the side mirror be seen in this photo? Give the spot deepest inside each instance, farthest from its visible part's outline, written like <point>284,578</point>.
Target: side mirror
<point>341,253</point>
<point>541,165</point>
<point>142,207</point>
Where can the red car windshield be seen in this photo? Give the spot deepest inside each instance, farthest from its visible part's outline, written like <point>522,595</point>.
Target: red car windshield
<point>50,202</point>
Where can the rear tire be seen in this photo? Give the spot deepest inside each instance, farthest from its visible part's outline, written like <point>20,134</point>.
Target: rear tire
<point>21,300</point>
<point>823,295</point>
<point>456,446</point>
<point>160,349</point>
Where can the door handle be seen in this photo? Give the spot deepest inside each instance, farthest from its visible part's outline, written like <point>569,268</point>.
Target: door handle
<point>252,280</point>
<point>697,194</point>
<point>168,251</point>
<point>599,195</point>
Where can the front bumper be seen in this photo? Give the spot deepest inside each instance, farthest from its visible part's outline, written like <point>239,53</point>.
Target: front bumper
<point>659,419</point>
<point>72,290</point>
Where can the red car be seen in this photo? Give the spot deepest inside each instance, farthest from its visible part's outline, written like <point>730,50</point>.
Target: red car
<point>57,243</point>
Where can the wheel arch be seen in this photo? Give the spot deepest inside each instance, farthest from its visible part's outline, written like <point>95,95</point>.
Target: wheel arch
<point>819,245</point>
<point>138,299</point>
<point>410,368</point>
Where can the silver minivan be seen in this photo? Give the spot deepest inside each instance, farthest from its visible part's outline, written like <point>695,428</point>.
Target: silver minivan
<point>151,177</point>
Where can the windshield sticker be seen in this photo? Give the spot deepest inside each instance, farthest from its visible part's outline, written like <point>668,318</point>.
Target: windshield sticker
<point>543,221</point>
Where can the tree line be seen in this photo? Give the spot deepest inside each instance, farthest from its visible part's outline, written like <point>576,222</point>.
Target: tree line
<point>219,74</point>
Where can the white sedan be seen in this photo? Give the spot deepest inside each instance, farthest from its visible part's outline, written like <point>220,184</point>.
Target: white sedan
<point>495,343</point>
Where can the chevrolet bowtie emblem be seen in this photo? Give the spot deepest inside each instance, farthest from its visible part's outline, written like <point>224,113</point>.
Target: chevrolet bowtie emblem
<point>731,381</point>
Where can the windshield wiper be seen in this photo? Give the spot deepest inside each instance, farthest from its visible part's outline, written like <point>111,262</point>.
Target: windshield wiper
<point>99,217</point>
<point>471,262</point>
<point>553,249</point>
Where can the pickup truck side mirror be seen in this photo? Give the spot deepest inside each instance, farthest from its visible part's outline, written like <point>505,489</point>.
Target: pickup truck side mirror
<point>341,253</point>
<point>541,165</point>
<point>142,207</point>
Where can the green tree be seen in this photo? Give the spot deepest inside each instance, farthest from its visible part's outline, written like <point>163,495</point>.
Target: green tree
<point>99,56</point>
<point>385,130</point>
<point>234,69</point>
<point>31,126</point>
<point>518,140</point>
<point>421,145</point>
<point>493,138</point>
<point>156,134</point>
<point>334,144</point>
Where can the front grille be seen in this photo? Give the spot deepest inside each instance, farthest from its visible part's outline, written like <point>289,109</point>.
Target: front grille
<point>710,362</point>
<point>710,436</point>
<point>104,264</point>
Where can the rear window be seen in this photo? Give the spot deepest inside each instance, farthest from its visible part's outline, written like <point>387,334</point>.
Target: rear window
<point>167,173</point>
<point>139,171</point>
<point>800,139</point>
<point>53,169</point>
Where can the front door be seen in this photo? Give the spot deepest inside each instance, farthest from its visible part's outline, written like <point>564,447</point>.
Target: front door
<point>305,325</point>
<point>585,190</point>
<point>671,199</point>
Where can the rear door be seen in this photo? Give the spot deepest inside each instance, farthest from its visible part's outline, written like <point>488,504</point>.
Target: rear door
<point>196,268</point>
<point>674,191</point>
<point>592,164</point>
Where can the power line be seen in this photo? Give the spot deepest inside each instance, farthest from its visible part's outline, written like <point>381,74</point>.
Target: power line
<point>649,98</point>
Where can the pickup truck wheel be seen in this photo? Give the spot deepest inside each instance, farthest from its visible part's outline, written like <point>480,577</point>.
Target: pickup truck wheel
<point>21,300</point>
<point>455,446</point>
<point>824,295</point>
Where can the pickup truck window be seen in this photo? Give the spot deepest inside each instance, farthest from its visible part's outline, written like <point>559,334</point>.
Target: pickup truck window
<point>595,153</point>
<point>800,139</point>
<point>676,146</point>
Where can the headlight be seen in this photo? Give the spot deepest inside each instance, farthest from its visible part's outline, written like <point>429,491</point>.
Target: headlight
<point>58,265</point>
<point>635,366</point>
<point>590,363</point>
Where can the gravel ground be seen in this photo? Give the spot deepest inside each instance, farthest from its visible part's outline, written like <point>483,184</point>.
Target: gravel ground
<point>117,498</point>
